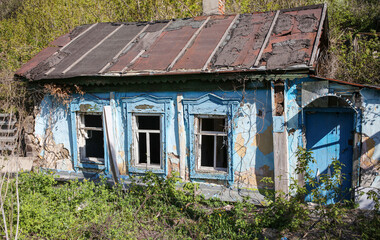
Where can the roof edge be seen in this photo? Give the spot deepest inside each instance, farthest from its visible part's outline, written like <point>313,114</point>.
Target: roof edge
<point>345,82</point>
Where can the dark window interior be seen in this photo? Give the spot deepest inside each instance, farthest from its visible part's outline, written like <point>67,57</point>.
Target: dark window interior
<point>94,143</point>
<point>142,148</point>
<point>93,121</point>
<point>207,154</point>
<point>148,122</point>
<point>154,148</point>
<point>213,124</point>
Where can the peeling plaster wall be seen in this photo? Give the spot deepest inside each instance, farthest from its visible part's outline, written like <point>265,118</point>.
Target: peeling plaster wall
<point>301,93</point>
<point>52,136</point>
<point>369,171</point>
<point>53,115</point>
<point>370,151</point>
<point>298,93</point>
<point>252,155</point>
<point>254,141</point>
<point>293,121</point>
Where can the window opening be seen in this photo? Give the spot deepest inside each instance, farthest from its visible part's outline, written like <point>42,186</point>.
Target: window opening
<point>213,143</point>
<point>148,140</point>
<point>91,137</point>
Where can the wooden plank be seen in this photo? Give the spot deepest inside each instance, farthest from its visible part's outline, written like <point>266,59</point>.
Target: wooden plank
<point>8,122</point>
<point>8,138</point>
<point>181,138</point>
<point>107,115</point>
<point>8,131</point>
<point>319,33</point>
<point>356,161</point>
<point>280,162</point>
<point>280,154</point>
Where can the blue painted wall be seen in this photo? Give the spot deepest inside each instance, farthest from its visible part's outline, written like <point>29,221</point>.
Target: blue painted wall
<point>370,149</point>
<point>366,124</point>
<point>250,123</point>
<point>250,129</point>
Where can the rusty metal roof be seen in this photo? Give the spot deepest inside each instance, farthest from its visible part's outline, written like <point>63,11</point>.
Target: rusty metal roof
<point>276,40</point>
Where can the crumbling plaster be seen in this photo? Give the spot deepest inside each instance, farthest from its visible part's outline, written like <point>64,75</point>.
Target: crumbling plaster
<point>370,149</point>
<point>252,124</point>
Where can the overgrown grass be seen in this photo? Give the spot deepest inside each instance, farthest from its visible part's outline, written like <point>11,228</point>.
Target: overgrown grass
<point>89,210</point>
<point>157,209</point>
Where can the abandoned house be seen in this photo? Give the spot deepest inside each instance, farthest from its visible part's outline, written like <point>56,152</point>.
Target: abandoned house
<point>223,100</point>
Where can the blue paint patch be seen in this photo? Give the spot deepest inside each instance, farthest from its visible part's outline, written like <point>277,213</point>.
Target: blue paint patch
<point>278,124</point>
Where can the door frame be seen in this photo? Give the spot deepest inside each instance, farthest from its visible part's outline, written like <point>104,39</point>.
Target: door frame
<point>356,128</point>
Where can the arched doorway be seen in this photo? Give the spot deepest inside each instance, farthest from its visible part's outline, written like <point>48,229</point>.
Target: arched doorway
<point>329,123</point>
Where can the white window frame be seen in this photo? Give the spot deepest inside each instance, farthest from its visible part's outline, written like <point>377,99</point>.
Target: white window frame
<point>83,135</point>
<point>199,133</point>
<point>136,133</point>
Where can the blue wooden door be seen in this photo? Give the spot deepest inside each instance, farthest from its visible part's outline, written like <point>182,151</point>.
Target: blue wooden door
<point>329,136</point>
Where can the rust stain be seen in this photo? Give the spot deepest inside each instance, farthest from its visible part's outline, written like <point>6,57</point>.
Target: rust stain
<point>197,55</point>
<point>252,177</point>
<point>240,147</point>
<point>264,141</point>
<point>248,178</point>
<point>36,60</point>
<point>122,168</point>
<point>368,149</point>
<point>187,174</point>
<point>173,164</point>
<point>121,154</point>
<point>164,50</point>
<point>123,165</point>
<point>61,41</point>
<point>159,48</point>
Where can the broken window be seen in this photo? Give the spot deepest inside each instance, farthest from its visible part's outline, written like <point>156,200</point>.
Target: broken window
<point>90,138</point>
<point>212,140</point>
<point>147,139</point>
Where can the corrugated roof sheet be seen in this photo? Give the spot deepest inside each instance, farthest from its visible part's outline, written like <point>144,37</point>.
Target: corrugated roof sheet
<point>277,40</point>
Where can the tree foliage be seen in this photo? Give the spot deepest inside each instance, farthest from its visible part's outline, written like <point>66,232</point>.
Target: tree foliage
<point>37,22</point>
<point>27,26</point>
<point>351,56</point>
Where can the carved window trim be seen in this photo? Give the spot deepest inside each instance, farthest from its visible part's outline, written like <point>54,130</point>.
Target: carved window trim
<point>147,105</point>
<point>209,105</point>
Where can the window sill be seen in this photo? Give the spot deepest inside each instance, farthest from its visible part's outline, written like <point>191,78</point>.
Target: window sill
<point>145,166</point>
<point>93,160</point>
<point>143,169</point>
<point>210,173</point>
<point>212,170</point>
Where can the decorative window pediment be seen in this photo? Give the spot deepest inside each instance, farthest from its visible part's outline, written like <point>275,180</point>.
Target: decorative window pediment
<point>147,126</point>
